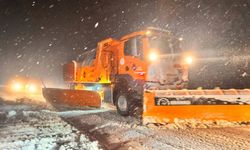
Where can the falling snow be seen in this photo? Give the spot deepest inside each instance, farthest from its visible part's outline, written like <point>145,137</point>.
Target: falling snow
<point>155,19</point>
<point>19,56</point>
<point>33,3</point>
<point>96,25</point>
<point>59,31</point>
<point>244,74</point>
<point>51,6</point>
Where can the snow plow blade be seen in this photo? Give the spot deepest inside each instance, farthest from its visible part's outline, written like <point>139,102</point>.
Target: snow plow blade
<point>71,99</point>
<point>166,106</point>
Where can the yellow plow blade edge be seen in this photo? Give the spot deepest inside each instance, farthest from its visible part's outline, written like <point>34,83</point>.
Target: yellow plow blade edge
<point>167,113</point>
<point>67,98</point>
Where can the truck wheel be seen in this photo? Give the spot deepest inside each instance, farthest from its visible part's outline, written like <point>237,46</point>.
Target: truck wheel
<point>123,103</point>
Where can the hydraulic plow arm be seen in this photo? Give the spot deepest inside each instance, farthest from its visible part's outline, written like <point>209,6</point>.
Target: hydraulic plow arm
<point>164,106</point>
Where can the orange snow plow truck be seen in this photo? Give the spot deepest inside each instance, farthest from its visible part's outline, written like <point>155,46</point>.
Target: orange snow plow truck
<point>145,69</point>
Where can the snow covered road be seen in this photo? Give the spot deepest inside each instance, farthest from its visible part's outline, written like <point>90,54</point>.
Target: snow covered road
<point>29,130</point>
<point>116,132</point>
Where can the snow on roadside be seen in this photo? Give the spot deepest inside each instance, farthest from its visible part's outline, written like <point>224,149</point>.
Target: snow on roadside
<point>40,130</point>
<point>11,113</point>
<point>194,123</point>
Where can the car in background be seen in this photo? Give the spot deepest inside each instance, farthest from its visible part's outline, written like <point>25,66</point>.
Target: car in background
<point>23,88</point>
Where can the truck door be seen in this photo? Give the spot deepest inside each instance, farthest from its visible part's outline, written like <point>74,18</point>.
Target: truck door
<point>132,61</point>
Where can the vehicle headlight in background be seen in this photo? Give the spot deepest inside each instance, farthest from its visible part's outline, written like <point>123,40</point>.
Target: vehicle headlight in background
<point>16,86</point>
<point>153,56</point>
<point>189,60</point>
<point>32,88</point>
<point>20,87</point>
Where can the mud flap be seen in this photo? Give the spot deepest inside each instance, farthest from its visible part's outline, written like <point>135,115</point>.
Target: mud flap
<point>67,98</point>
<point>165,112</point>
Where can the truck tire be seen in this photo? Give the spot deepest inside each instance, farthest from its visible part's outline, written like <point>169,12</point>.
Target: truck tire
<point>123,103</point>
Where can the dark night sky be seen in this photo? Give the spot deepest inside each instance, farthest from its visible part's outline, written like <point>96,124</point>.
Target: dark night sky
<point>38,36</point>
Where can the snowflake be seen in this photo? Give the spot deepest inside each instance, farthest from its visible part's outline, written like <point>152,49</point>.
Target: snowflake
<point>244,74</point>
<point>51,6</point>
<point>96,25</point>
<point>19,56</point>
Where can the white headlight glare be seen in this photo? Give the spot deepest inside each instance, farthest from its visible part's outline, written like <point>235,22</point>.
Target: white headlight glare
<point>17,86</point>
<point>32,88</point>
<point>189,60</point>
<point>153,56</point>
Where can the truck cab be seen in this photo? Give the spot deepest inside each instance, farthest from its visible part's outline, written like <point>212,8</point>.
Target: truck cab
<point>155,57</point>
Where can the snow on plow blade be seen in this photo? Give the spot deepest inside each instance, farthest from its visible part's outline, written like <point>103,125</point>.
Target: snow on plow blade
<point>74,99</point>
<point>165,106</point>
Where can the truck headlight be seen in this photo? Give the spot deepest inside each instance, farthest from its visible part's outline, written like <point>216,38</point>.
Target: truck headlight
<point>148,32</point>
<point>189,60</point>
<point>153,56</point>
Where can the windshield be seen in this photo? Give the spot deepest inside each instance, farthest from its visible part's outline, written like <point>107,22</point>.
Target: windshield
<point>87,57</point>
<point>164,45</point>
